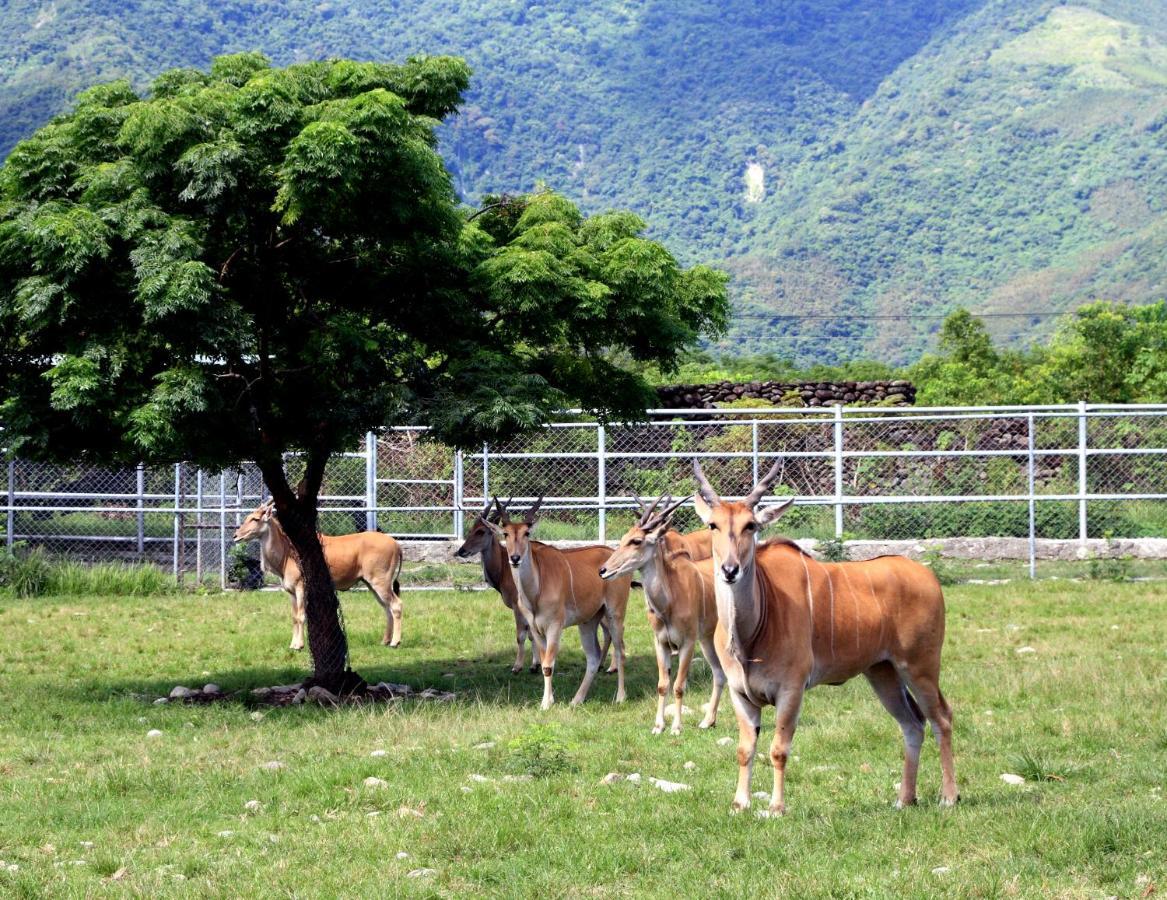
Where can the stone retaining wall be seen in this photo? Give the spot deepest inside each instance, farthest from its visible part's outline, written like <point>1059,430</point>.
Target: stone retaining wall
<point>788,393</point>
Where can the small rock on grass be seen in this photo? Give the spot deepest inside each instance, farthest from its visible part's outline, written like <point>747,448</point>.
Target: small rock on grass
<point>634,777</point>
<point>401,854</point>
<point>253,805</point>
<point>941,870</point>
<point>485,745</point>
<point>1010,778</point>
<point>212,688</point>
<point>301,696</point>
<point>274,766</point>
<point>379,753</point>
<point>611,778</point>
<point>689,766</point>
<point>374,782</point>
<point>180,691</point>
<point>760,795</point>
<point>161,701</point>
<point>669,787</point>
<point>421,873</point>
<point>724,741</point>
<point>480,779</point>
<point>1021,651</point>
<point>153,733</point>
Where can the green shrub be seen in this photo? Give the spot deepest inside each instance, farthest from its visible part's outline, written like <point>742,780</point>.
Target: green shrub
<point>541,752</point>
<point>833,549</point>
<point>32,573</point>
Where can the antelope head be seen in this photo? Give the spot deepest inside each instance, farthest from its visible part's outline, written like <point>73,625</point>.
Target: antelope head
<point>257,522</point>
<point>515,536</point>
<point>480,537</point>
<point>640,541</point>
<point>735,525</point>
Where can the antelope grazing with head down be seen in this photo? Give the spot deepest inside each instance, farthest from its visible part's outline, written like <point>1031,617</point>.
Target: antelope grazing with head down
<point>788,622</point>
<point>368,556</point>
<point>557,590</point>
<point>678,593</point>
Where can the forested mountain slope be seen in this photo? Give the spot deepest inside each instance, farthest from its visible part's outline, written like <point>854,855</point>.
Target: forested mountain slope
<point>906,156</point>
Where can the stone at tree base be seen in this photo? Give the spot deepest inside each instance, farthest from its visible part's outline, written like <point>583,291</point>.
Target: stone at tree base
<point>323,696</point>
<point>180,692</point>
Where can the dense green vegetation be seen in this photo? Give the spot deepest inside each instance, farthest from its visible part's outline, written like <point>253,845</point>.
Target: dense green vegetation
<point>1003,155</point>
<point>1103,353</point>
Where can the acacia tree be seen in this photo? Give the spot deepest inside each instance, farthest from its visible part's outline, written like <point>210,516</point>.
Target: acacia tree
<point>250,261</point>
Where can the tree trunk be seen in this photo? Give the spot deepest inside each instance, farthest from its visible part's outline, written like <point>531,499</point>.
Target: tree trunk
<point>297,514</point>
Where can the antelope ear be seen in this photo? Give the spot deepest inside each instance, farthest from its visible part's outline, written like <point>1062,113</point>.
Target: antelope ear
<point>769,514</point>
<point>499,531</point>
<point>704,510</point>
<point>269,510</point>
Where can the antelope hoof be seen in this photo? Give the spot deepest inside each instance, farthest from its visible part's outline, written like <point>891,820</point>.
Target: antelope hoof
<point>546,704</point>
<point>776,809</point>
<point>675,731</point>
<point>738,806</point>
<point>535,667</point>
<point>706,723</point>
<point>901,803</point>
<point>515,670</point>
<point>949,802</point>
<point>658,728</point>
<point>394,645</point>
<point>611,671</point>
<point>296,646</point>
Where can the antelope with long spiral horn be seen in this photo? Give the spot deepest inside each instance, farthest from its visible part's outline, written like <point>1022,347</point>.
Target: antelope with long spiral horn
<point>678,592</point>
<point>787,622</point>
<point>558,590</point>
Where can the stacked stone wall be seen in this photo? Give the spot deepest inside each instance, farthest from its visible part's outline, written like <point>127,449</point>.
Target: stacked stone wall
<point>788,393</point>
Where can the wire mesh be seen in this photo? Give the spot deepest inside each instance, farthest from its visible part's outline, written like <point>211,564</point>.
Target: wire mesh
<point>936,475</point>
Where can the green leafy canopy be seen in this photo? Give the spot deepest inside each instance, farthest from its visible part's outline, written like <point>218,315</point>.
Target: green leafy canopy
<point>254,259</point>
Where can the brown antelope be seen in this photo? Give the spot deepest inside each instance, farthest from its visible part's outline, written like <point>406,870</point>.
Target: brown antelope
<point>557,590</point>
<point>696,542</point>
<point>678,595</point>
<point>368,556</point>
<point>497,573</point>
<point>787,622</point>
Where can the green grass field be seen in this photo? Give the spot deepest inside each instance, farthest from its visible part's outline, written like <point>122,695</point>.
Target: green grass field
<point>92,806</point>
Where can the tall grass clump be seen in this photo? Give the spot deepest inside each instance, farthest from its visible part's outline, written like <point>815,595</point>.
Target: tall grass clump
<point>33,574</point>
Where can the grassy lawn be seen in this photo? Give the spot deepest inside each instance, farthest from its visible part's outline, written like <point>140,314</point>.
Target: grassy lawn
<point>90,805</point>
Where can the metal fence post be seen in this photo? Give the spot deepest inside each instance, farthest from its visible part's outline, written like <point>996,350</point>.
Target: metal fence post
<point>177,521</point>
<point>1032,503</point>
<point>199,527</point>
<point>754,436</point>
<point>1082,525</point>
<point>485,471</point>
<point>223,531</point>
<point>10,536</point>
<point>601,479</point>
<point>371,481</point>
<point>458,489</point>
<point>838,471</point>
<point>141,487</point>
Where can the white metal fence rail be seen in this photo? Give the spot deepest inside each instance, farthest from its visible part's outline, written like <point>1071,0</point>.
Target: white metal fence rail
<point>1069,472</point>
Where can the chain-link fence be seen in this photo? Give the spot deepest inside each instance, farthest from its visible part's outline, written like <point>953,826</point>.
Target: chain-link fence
<point>1038,475</point>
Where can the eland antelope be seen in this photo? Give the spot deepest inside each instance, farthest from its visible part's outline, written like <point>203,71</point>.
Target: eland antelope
<point>787,622</point>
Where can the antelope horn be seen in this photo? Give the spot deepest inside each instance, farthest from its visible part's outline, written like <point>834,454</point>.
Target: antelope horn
<point>704,488</point>
<point>486,510</point>
<point>503,515</point>
<point>529,515</point>
<point>763,486</point>
<point>645,510</point>
<point>667,514</point>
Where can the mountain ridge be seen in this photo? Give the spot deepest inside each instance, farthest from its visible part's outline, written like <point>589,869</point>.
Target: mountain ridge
<point>1004,155</point>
